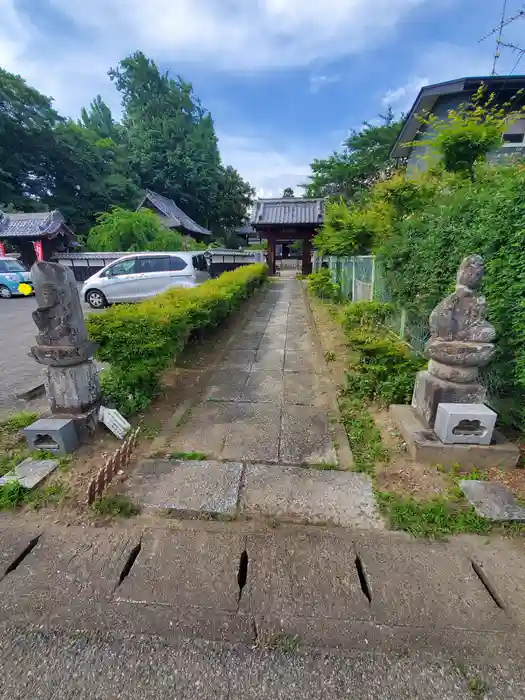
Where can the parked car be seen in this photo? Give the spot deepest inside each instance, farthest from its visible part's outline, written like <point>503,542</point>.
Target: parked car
<point>12,273</point>
<point>142,275</point>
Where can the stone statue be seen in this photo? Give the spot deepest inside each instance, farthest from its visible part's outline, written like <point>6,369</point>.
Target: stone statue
<point>62,339</point>
<point>63,346</point>
<point>461,341</point>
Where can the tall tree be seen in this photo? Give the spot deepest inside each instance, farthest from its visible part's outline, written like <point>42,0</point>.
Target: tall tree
<point>89,174</point>
<point>27,120</point>
<point>364,158</point>
<point>99,119</point>
<point>173,143</point>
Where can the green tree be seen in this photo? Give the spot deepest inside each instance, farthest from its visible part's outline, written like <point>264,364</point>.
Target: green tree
<point>124,230</point>
<point>89,174</point>
<point>288,192</point>
<point>173,145</point>
<point>27,120</point>
<point>364,159</point>
<point>98,118</point>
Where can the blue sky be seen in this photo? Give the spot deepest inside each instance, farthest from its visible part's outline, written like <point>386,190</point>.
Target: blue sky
<point>284,79</point>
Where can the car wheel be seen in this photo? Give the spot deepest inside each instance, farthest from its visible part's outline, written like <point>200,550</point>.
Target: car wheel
<point>5,292</point>
<point>96,299</point>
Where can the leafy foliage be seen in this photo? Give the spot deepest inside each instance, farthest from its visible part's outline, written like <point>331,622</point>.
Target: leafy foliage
<point>116,505</point>
<point>320,285</point>
<point>385,369</point>
<point>166,141</point>
<point>121,229</point>
<point>288,192</point>
<point>139,341</point>
<point>469,132</point>
<point>365,158</point>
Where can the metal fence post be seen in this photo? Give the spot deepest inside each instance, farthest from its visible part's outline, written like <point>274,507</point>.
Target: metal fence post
<point>373,278</point>
<point>402,325</point>
<point>353,279</point>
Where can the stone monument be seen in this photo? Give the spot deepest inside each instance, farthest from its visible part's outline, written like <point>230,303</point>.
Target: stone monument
<point>63,347</point>
<point>461,341</point>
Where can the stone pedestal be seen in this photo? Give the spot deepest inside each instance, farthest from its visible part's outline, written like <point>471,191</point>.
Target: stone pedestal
<point>72,389</point>
<point>429,391</point>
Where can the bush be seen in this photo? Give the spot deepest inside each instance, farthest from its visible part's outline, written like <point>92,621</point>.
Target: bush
<point>386,367</point>
<point>320,285</point>
<point>139,341</point>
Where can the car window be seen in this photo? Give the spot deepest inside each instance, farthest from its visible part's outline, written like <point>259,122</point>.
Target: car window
<point>124,267</point>
<point>177,264</point>
<point>153,264</point>
<point>199,263</point>
<point>11,266</point>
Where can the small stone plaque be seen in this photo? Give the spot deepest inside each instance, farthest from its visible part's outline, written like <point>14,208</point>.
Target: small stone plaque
<point>30,472</point>
<point>492,500</point>
<point>113,420</point>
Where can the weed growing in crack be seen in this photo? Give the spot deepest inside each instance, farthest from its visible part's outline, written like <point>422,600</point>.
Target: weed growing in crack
<point>279,641</point>
<point>190,456</point>
<point>116,505</point>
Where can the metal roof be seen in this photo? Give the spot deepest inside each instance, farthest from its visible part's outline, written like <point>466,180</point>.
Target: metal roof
<point>34,225</point>
<point>429,95</point>
<point>168,208</point>
<point>288,211</point>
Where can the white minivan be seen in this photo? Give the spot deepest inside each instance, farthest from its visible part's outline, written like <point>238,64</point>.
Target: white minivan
<point>141,275</point>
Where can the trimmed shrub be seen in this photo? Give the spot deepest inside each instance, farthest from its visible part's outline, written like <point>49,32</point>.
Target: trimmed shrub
<point>320,285</point>
<point>140,340</point>
<point>386,367</point>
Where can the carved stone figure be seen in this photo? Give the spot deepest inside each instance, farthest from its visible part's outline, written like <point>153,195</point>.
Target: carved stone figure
<point>62,339</point>
<point>461,341</point>
<point>62,345</point>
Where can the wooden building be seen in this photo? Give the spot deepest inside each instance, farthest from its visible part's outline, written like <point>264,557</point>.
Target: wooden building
<point>29,233</point>
<point>281,221</point>
<point>172,216</point>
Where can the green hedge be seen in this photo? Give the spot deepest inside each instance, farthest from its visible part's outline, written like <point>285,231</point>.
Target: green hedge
<point>140,340</point>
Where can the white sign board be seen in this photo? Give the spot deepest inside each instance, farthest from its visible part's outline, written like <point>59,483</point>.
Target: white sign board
<point>113,420</point>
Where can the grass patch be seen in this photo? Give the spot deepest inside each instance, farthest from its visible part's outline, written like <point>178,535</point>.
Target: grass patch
<point>438,517</point>
<point>116,505</point>
<point>190,456</point>
<point>363,435</point>
<point>12,495</point>
<point>53,494</point>
<point>285,643</point>
<point>18,421</point>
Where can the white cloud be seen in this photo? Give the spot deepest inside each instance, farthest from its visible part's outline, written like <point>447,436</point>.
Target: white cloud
<point>440,62</point>
<point>318,82</point>
<point>232,36</point>
<point>269,170</point>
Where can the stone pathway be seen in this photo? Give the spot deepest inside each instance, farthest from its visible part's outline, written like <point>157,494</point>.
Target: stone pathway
<point>266,428</point>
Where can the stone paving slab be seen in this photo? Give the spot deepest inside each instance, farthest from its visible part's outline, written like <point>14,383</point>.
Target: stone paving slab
<point>268,360</point>
<point>226,385</point>
<point>492,500</point>
<point>300,388</point>
<point>254,432</point>
<point>188,487</point>
<point>309,495</point>
<point>239,360</point>
<point>299,361</point>
<point>14,539</point>
<point>205,429</point>
<point>302,574</point>
<point>305,436</point>
<point>426,585</point>
<point>68,567</point>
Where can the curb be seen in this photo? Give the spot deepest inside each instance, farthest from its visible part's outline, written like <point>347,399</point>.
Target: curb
<point>32,393</point>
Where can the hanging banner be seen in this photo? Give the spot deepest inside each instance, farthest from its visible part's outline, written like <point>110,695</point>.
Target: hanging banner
<point>37,245</point>
<point>2,249</point>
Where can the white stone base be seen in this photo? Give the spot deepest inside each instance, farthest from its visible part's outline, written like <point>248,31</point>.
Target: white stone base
<point>72,389</point>
<point>464,423</point>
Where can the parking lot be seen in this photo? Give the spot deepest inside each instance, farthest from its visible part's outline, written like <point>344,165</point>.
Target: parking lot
<point>18,370</point>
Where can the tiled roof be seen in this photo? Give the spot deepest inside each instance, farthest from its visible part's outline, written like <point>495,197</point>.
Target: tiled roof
<point>172,211</point>
<point>33,225</point>
<point>288,211</point>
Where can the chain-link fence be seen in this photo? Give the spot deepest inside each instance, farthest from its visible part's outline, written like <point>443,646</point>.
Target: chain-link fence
<point>359,278</point>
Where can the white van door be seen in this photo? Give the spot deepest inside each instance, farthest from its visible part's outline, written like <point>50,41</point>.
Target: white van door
<point>120,281</point>
<point>153,275</point>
